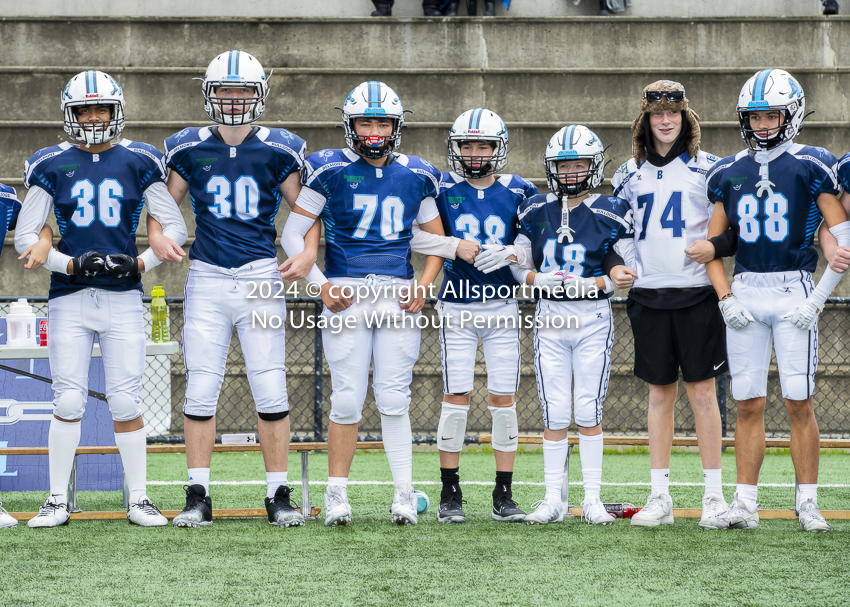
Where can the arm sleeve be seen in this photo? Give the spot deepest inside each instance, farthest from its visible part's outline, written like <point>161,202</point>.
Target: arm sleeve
<point>31,219</point>
<point>520,274</point>
<point>311,201</point>
<point>625,248</point>
<point>292,241</point>
<point>830,278</point>
<point>725,245</point>
<point>611,260</point>
<point>433,244</point>
<point>161,206</point>
<point>522,246</point>
<point>428,211</point>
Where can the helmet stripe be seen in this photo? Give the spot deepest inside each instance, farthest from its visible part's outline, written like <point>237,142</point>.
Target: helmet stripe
<point>568,137</point>
<point>758,88</point>
<point>233,65</point>
<point>475,119</point>
<point>91,82</point>
<point>374,94</point>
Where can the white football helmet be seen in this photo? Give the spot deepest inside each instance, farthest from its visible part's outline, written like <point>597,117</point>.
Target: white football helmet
<point>235,69</point>
<point>372,100</point>
<point>93,88</point>
<point>478,125</point>
<point>574,142</point>
<point>772,89</point>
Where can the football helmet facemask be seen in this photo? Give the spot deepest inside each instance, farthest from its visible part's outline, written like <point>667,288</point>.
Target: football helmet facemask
<point>236,69</point>
<point>574,142</point>
<point>772,89</point>
<point>372,100</point>
<point>478,125</point>
<point>93,88</point>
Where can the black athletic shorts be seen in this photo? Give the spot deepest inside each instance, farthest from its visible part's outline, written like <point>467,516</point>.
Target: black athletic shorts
<point>691,338</point>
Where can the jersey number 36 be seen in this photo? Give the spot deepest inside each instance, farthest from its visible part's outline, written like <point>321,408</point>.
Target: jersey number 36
<point>108,203</point>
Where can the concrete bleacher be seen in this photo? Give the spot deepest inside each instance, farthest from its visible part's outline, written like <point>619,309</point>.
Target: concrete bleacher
<point>537,73</point>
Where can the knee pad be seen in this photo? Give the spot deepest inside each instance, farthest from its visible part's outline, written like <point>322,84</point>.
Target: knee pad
<point>69,405</point>
<point>124,407</point>
<point>198,418</point>
<point>797,387</point>
<point>452,427</point>
<point>393,402</point>
<point>198,411</point>
<point>272,417</point>
<point>505,429</point>
<point>344,409</point>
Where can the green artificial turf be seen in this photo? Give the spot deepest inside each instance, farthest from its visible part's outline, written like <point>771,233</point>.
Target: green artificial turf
<point>248,562</point>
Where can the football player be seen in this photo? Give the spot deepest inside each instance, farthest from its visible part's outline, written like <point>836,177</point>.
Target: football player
<point>774,194</point>
<point>367,197</point>
<point>97,190</point>
<point>672,304</point>
<point>570,233</point>
<point>236,174</point>
<point>478,207</point>
<point>10,207</point>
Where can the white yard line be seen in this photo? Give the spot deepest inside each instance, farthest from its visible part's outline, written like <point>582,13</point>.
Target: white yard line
<point>490,483</point>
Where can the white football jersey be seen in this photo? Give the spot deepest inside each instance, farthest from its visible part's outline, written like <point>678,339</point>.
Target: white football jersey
<point>671,211</point>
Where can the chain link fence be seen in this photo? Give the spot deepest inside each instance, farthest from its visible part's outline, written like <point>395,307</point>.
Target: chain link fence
<point>309,384</point>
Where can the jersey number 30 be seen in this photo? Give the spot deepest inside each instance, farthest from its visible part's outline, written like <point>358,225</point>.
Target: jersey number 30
<point>246,196</point>
<point>109,193</point>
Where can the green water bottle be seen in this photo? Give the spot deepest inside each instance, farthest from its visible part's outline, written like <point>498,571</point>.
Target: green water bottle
<point>159,315</point>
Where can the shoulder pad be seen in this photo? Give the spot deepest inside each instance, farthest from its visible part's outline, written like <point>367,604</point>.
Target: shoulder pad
<point>284,141</point>
<point>8,192</point>
<point>535,202</point>
<point>318,164</point>
<point>149,153</point>
<point>39,161</point>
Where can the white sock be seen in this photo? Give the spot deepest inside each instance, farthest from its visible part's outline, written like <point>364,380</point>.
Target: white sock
<point>339,481</point>
<point>133,449</point>
<point>749,495</point>
<point>713,481</point>
<point>554,461</point>
<point>808,492</point>
<point>398,445</point>
<point>273,481</point>
<point>590,450</point>
<point>660,480</point>
<point>63,438</point>
<point>200,476</point>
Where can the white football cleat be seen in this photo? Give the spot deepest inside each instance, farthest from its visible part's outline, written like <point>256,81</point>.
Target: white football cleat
<point>52,514</point>
<point>712,505</point>
<point>546,511</point>
<point>144,514</point>
<point>810,517</point>
<point>594,513</point>
<point>658,511</point>
<point>337,509</point>
<point>7,521</point>
<point>735,516</point>
<point>403,510</point>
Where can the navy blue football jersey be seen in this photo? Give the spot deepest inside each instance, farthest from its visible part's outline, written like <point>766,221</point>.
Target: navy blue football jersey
<point>842,172</point>
<point>485,216</point>
<point>235,190</point>
<point>369,211</point>
<point>97,200</point>
<point>596,224</point>
<point>10,206</point>
<point>775,222</point>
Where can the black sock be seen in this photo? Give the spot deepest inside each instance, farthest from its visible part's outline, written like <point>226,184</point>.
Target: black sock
<point>450,477</point>
<point>503,483</point>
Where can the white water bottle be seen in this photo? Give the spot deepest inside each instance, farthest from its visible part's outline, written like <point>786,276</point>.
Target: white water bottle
<point>20,325</point>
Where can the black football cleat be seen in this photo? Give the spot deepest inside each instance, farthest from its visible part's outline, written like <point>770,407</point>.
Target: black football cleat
<point>198,510</point>
<point>505,509</point>
<point>451,510</point>
<point>281,511</point>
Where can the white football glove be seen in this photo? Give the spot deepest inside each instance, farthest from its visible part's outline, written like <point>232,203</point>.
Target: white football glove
<point>735,315</point>
<point>805,316</point>
<point>549,280</point>
<point>493,257</point>
<point>582,286</point>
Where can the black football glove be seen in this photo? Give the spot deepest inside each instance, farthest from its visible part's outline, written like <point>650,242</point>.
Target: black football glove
<point>88,264</point>
<point>121,266</point>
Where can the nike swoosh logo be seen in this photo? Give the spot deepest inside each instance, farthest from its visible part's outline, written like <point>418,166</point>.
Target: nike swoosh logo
<point>446,438</point>
<point>513,437</point>
<point>716,367</point>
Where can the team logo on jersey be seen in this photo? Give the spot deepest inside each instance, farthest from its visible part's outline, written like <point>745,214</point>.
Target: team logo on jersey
<point>325,154</point>
<point>737,182</point>
<point>455,201</point>
<point>353,180</point>
<point>542,225</point>
<point>206,163</point>
<point>285,134</point>
<point>181,135</point>
<point>69,169</point>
